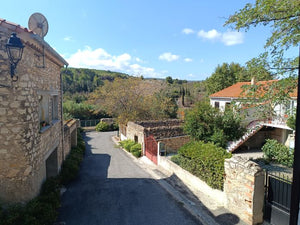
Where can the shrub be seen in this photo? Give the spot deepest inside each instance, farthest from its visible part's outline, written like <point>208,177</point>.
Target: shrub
<point>204,160</point>
<point>127,144</point>
<point>135,147</point>
<point>102,127</point>
<point>277,152</point>
<point>131,146</point>
<point>137,154</point>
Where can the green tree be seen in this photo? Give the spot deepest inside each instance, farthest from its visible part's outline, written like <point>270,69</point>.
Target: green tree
<point>169,80</point>
<point>208,124</point>
<point>223,77</point>
<point>282,15</point>
<point>266,97</point>
<point>131,99</point>
<point>257,68</point>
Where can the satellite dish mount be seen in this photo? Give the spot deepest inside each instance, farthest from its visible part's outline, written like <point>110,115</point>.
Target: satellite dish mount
<point>38,24</point>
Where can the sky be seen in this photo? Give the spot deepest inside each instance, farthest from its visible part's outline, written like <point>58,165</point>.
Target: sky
<point>184,39</point>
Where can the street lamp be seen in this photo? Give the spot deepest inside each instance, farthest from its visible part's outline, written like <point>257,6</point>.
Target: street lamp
<point>14,48</point>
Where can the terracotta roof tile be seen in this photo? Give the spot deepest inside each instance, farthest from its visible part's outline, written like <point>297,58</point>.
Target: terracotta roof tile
<point>16,26</point>
<point>235,90</point>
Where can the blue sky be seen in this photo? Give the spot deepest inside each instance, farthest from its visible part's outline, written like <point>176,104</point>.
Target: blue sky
<point>154,38</point>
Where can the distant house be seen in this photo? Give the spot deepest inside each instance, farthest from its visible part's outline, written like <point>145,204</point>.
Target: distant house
<point>258,129</point>
<point>31,126</point>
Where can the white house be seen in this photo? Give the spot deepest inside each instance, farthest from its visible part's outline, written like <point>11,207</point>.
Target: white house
<point>274,127</point>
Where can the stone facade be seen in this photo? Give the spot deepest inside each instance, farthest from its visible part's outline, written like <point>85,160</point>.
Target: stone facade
<point>161,130</point>
<point>31,146</point>
<point>244,189</point>
<point>171,145</point>
<point>70,135</point>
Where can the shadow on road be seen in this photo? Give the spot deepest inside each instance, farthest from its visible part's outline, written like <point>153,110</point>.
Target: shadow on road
<point>95,199</point>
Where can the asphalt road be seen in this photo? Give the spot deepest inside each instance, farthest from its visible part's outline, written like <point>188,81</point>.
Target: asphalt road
<point>111,189</point>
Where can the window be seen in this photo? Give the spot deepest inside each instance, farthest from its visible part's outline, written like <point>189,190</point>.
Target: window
<point>55,107</point>
<point>44,110</point>
<point>217,104</point>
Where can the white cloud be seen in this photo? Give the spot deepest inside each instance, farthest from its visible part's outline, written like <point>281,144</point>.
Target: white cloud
<point>188,31</point>
<point>100,59</point>
<point>211,34</point>
<point>68,38</point>
<point>188,60</point>
<point>228,38</point>
<point>168,56</point>
<point>232,38</point>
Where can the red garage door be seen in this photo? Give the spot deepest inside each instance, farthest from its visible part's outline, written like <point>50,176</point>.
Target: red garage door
<point>151,148</point>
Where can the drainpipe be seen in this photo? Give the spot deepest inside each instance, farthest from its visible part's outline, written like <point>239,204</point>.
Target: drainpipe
<point>62,119</point>
<point>294,209</point>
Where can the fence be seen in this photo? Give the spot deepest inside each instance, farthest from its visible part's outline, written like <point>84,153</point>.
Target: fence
<point>89,123</point>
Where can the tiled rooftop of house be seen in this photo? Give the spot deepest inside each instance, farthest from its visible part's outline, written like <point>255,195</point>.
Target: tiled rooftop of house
<point>236,90</point>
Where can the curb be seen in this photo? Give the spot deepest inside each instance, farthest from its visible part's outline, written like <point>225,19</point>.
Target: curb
<point>158,176</point>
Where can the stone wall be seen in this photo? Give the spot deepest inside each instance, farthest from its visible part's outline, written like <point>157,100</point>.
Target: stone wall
<point>70,135</point>
<point>25,145</point>
<point>244,189</point>
<point>171,145</point>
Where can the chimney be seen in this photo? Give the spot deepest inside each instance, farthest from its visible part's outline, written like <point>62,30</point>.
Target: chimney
<point>253,81</point>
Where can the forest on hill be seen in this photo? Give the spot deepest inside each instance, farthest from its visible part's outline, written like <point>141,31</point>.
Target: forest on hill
<point>93,94</point>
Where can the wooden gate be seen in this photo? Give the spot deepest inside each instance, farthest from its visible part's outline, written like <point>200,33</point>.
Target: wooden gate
<point>151,148</point>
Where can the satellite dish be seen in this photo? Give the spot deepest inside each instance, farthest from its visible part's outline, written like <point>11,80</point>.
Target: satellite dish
<point>38,24</point>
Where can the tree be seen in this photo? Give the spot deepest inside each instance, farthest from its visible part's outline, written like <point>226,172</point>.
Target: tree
<point>169,80</point>
<point>130,100</point>
<point>208,124</point>
<point>223,77</point>
<point>283,15</point>
<point>257,68</point>
<point>265,97</point>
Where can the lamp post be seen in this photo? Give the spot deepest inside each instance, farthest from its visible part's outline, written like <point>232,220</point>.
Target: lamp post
<point>14,48</point>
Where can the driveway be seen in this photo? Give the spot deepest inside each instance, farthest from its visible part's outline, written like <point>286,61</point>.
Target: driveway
<point>111,189</point>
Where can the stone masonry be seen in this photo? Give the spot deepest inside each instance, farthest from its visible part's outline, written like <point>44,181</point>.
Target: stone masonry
<point>30,149</point>
<point>244,189</point>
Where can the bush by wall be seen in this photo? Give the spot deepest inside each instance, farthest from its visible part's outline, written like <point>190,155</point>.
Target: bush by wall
<point>133,147</point>
<point>103,126</point>
<point>204,160</point>
<point>42,210</point>
<point>277,152</point>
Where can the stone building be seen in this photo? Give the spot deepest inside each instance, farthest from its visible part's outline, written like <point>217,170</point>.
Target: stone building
<point>31,126</point>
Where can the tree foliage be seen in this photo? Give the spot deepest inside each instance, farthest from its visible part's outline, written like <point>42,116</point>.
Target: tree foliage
<point>282,15</point>
<point>224,76</point>
<point>132,99</point>
<point>208,124</point>
<point>86,80</point>
<point>265,97</point>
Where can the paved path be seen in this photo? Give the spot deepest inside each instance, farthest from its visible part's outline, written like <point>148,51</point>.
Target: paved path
<point>111,189</point>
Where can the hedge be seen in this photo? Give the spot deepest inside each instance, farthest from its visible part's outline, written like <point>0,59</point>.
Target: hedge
<point>42,210</point>
<point>204,160</point>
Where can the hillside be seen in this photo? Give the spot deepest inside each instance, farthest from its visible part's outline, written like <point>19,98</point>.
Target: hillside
<point>86,80</point>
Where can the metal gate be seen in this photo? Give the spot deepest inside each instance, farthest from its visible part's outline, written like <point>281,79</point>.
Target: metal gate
<point>277,199</point>
<point>151,148</point>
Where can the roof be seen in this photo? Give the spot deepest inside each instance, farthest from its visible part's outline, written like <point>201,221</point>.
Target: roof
<point>19,29</point>
<point>235,91</point>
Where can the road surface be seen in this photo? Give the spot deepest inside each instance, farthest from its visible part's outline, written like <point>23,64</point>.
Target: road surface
<point>112,189</point>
